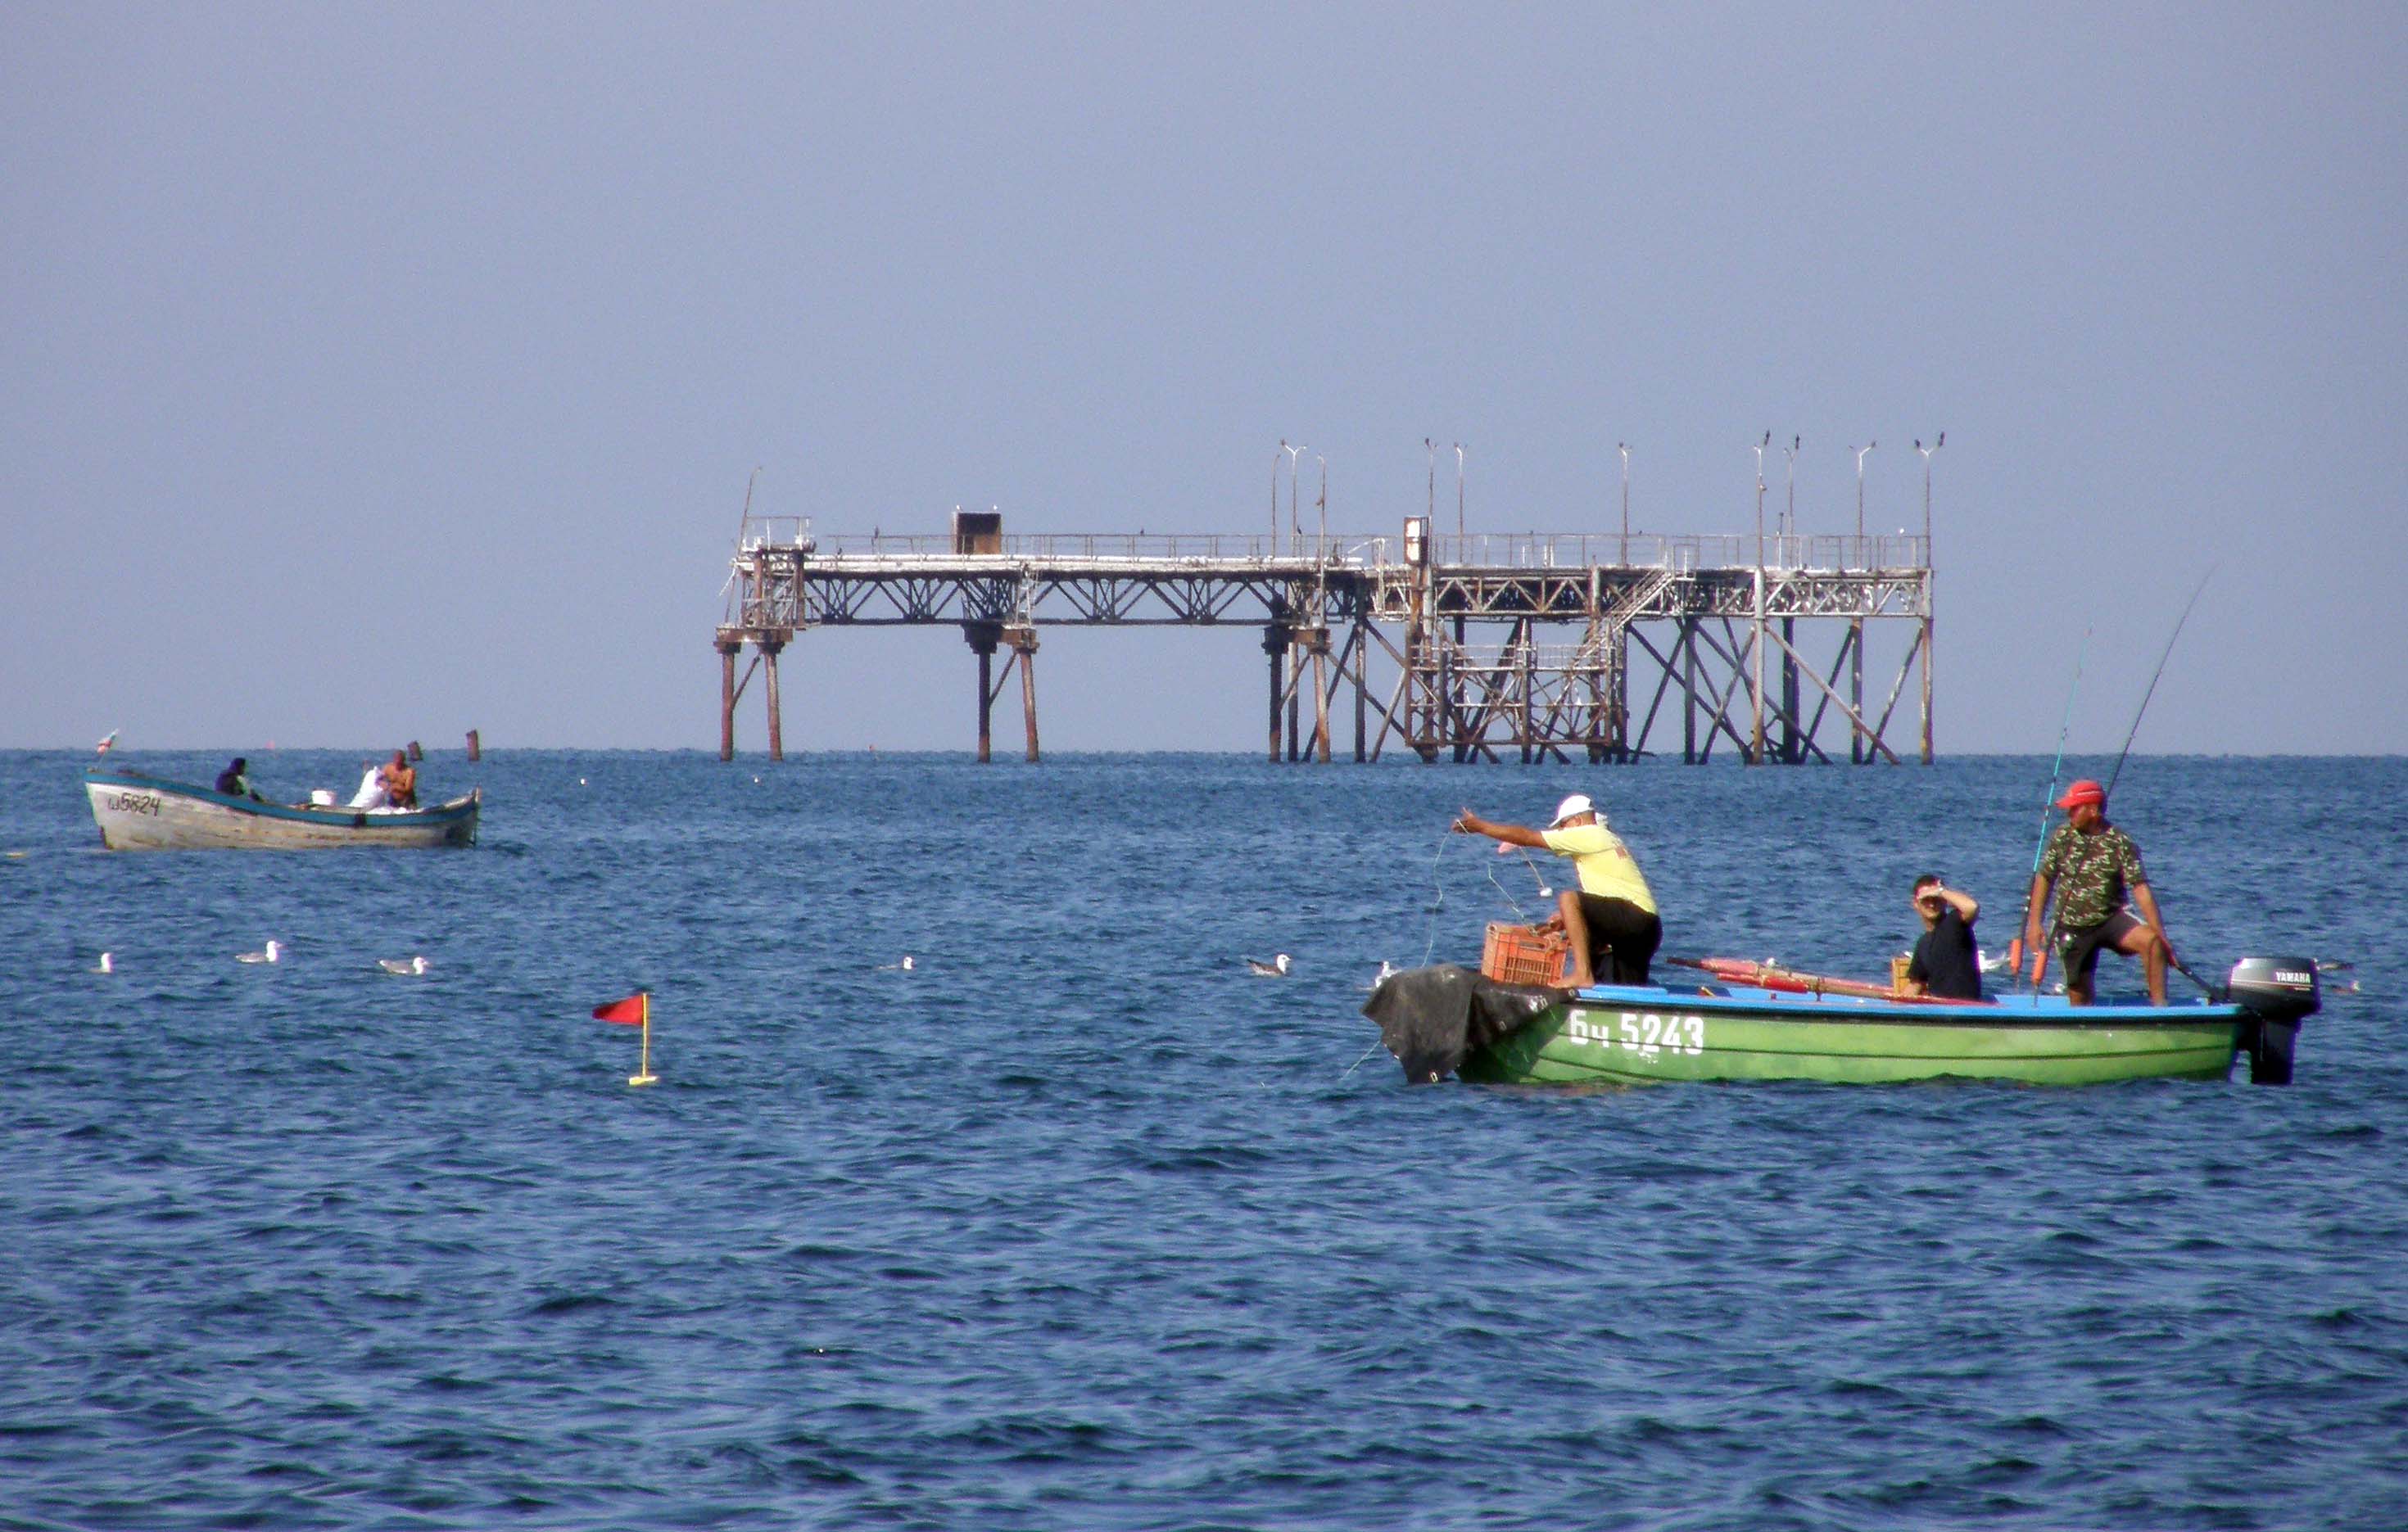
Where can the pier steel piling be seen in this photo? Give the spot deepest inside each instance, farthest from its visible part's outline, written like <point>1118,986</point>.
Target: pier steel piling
<point>727,651</point>
<point>1275,647</point>
<point>983,637</point>
<point>769,648</point>
<point>1023,654</point>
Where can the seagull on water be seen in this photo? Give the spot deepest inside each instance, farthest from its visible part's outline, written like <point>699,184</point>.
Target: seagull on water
<point>1276,968</point>
<point>905,966</point>
<point>107,964</point>
<point>273,954</point>
<point>402,967</point>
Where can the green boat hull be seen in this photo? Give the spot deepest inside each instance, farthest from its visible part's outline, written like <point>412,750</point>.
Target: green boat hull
<point>1643,1036</point>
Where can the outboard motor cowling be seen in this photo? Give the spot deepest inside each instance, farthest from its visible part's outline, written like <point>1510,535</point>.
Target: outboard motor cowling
<point>2278,993</point>
<point>2278,989</point>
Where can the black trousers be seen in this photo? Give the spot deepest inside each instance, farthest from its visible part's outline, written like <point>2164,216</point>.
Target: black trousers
<point>1622,938</point>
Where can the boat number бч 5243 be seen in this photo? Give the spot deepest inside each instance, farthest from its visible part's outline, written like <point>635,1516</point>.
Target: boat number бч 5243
<point>134,803</point>
<point>1640,1032</point>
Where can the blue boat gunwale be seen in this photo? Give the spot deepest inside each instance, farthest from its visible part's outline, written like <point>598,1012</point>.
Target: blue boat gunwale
<point>336,815</point>
<point>1864,1011</point>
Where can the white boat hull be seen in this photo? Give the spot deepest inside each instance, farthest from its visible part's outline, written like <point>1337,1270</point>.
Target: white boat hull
<point>140,813</point>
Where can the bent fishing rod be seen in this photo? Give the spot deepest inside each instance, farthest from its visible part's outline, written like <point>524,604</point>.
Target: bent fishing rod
<point>2040,965</point>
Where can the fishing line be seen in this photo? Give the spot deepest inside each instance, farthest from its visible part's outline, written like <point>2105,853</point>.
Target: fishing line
<point>1519,913</point>
<point>1439,887</point>
<point>1536,875</point>
<point>1359,1062</point>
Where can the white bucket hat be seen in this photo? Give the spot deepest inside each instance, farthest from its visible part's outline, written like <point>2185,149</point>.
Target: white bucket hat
<point>1576,804</point>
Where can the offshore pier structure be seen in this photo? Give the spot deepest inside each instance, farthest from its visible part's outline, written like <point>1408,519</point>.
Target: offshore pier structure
<point>1464,648</point>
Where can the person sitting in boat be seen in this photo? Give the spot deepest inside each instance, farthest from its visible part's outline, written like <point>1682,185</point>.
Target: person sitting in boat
<point>1946,965</point>
<point>400,781</point>
<point>1611,919</point>
<point>232,782</point>
<point>2094,869</point>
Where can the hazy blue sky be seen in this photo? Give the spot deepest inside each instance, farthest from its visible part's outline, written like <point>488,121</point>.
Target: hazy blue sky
<point>376,371</point>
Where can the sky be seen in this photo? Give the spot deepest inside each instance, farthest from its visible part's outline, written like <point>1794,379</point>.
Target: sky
<point>373,372</point>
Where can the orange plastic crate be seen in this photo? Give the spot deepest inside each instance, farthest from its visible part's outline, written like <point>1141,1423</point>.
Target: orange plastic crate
<point>1524,954</point>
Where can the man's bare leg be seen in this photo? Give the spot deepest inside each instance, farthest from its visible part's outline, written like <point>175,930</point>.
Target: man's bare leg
<point>2142,943</point>
<point>1568,910</point>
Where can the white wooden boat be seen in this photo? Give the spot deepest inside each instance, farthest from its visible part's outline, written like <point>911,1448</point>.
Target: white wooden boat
<point>135,812</point>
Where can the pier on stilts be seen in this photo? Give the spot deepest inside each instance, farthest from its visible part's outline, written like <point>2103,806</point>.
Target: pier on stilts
<point>1534,647</point>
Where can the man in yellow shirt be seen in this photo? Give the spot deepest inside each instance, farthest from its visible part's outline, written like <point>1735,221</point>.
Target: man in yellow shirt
<point>1611,915</point>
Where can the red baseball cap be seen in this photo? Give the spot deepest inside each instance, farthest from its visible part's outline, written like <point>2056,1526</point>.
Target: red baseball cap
<point>2085,791</point>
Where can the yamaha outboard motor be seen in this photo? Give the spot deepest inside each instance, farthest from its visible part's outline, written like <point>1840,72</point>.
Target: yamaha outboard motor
<point>2278,993</point>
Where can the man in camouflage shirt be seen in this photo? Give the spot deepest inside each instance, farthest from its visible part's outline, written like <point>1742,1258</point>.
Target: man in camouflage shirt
<point>2093,867</point>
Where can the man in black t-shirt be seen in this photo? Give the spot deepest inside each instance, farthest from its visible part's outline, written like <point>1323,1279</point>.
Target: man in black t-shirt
<point>1946,966</point>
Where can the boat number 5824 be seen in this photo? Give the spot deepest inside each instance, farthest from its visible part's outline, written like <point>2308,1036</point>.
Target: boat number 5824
<point>1643,1032</point>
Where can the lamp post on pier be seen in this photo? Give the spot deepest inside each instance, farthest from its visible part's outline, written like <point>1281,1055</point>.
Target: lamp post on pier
<point>1937,443</point>
<point>1624,447</point>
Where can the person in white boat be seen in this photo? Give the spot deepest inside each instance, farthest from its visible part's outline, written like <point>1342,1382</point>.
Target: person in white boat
<point>233,782</point>
<point>1610,918</point>
<point>400,781</point>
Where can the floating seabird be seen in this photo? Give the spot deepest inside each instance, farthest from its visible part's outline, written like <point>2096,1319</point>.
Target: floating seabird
<point>107,964</point>
<point>905,966</point>
<point>271,954</point>
<point>402,966</point>
<point>1275,968</point>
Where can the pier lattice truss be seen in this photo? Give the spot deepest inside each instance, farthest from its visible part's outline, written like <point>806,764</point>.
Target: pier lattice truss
<point>1469,647</point>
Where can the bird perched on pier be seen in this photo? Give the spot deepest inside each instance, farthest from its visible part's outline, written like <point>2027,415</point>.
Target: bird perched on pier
<point>271,954</point>
<point>1275,968</point>
<point>403,968</point>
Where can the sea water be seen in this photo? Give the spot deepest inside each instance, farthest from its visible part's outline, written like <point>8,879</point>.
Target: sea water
<point>1077,1224</point>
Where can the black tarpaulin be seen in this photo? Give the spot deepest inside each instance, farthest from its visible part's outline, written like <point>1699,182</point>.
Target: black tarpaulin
<point>1432,1018</point>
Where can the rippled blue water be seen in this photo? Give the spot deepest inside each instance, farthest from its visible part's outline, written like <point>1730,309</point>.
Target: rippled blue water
<point>1078,1225</point>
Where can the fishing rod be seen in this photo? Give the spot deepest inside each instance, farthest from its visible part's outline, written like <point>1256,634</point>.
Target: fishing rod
<point>2156,675</point>
<point>2057,924</point>
<point>2048,802</point>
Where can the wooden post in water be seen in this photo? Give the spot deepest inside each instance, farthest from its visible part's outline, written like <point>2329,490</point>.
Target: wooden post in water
<point>474,752</point>
<point>727,650</point>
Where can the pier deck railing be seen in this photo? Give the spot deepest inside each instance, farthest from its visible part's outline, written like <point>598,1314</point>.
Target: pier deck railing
<point>1678,551</point>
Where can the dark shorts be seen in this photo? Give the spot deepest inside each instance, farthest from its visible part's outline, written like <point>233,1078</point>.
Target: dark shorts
<point>2078,947</point>
<point>1622,938</point>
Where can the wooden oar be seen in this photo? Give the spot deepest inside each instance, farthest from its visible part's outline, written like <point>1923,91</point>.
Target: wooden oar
<point>1739,971</point>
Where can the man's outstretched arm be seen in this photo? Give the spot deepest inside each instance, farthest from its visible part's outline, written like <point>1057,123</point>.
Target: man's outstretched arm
<point>1467,823</point>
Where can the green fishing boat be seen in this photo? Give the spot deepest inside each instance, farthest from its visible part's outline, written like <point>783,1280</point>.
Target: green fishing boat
<point>1443,1021</point>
